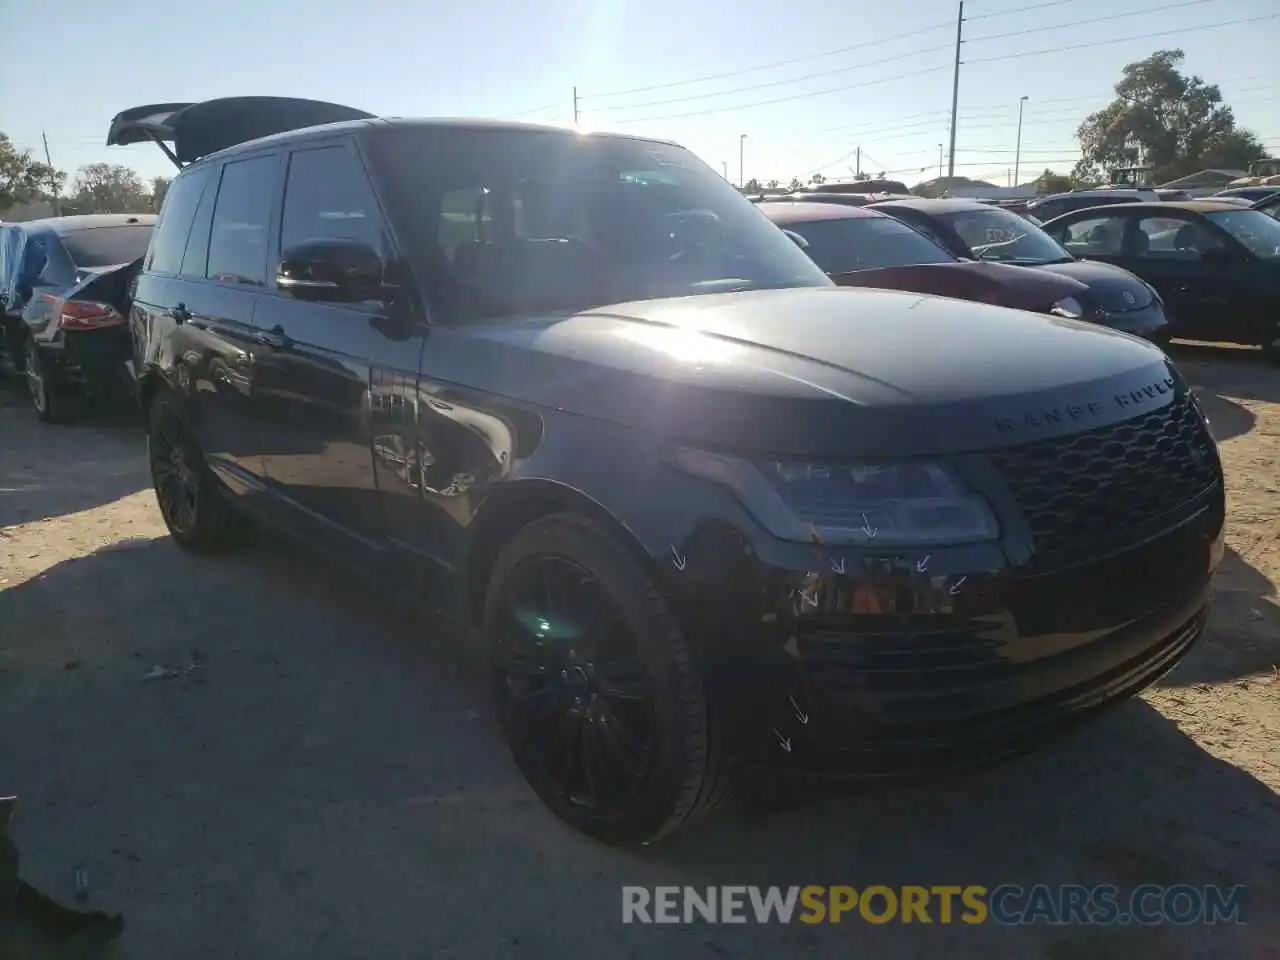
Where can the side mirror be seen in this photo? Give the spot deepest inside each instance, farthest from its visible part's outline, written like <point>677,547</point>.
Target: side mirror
<point>798,240</point>
<point>333,271</point>
<point>1218,257</point>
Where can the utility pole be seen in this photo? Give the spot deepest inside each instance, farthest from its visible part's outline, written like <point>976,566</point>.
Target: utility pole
<point>725,165</point>
<point>53,180</point>
<point>742,168</point>
<point>955,93</point>
<point>575,106</point>
<point>1017,150</point>
<point>939,161</point>
<point>858,175</point>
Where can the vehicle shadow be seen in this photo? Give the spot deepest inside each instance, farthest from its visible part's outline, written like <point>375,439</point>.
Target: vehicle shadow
<point>1243,636</point>
<point>47,470</point>
<point>1222,376</point>
<point>327,752</point>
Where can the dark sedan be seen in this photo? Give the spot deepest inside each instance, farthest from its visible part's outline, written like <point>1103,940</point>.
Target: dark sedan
<point>858,247</point>
<point>62,330</point>
<point>995,235</point>
<point>1216,264</point>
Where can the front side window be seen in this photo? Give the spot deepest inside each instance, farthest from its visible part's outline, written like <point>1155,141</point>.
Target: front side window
<point>507,222</point>
<point>170,236</point>
<point>999,235</point>
<point>327,197</point>
<point>241,220</point>
<point>864,243</point>
<point>1254,229</point>
<point>1173,238</point>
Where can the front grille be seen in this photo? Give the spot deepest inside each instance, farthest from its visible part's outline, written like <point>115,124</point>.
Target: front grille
<point>1092,494</point>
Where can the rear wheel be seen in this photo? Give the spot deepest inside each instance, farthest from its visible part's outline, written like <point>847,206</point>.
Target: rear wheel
<point>190,498</point>
<point>595,686</point>
<point>51,400</point>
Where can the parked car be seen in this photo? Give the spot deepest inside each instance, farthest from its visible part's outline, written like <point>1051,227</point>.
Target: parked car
<point>71,343</point>
<point>1046,208</point>
<point>860,247</point>
<point>1270,206</point>
<point>1172,194</point>
<point>994,235</point>
<point>1251,194</point>
<point>846,199</point>
<point>708,511</point>
<point>855,186</point>
<point>1215,264</point>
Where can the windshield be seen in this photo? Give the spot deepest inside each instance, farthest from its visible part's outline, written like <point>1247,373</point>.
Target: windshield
<point>995,234</point>
<point>513,221</point>
<point>107,246</point>
<point>864,243</point>
<point>1253,228</point>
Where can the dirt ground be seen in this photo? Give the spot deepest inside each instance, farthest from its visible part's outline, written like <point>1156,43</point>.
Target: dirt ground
<point>321,779</point>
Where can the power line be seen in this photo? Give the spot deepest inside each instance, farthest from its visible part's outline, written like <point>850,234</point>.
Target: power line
<point>776,83</point>
<point>769,66</point>
<point>1011,11</point>
<point>1092,20</point>
<point>790,99</point>
<point>1103,43</point>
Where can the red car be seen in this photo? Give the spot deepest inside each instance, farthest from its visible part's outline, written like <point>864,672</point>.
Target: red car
<point>858,247</point>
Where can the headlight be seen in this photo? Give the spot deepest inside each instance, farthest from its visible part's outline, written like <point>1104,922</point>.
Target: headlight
<point>888,504</point>
<point>1068,307</point>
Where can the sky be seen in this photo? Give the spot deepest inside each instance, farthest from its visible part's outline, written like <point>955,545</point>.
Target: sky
<point>807,82</point>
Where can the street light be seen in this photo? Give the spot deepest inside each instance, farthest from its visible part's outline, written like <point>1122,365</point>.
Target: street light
<point>725,164</point>
<point>1017,151</point>
<point>939,161</point>
<point>742,177</point>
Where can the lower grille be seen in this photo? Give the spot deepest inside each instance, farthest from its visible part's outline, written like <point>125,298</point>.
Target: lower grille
<point>1094,493</point>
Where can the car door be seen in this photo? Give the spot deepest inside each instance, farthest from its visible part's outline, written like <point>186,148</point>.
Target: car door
<point>218,267</point>
<point>1189,263</point>
<point>339,385</point>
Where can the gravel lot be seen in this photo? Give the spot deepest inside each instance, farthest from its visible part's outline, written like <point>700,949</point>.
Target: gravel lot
<point>322,780</point>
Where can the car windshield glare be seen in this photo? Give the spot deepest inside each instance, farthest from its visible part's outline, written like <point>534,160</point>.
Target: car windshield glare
<point>1253,228</point>
<point>509,222</point>
<point>995,234</point>
<point>863,243</point>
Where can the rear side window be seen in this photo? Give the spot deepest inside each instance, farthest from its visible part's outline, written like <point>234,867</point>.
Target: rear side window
<point>196,256</point>
<point>170,237</point>
<point>328,197</point>
<point>241,220</point>
<point>1099,236</point>
<point>107,246</point>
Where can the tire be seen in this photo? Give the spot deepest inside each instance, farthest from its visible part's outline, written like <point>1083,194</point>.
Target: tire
<point>190,498</point>
<point>53,404</point>
<point>682,778</point>
<point>1271,348</point>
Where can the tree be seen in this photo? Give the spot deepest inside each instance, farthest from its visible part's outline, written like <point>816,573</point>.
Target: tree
<point>1050,182</point>
<point>1162,119</point>
<point>22,178</point>
<point>751,186</point>
<point>159,187</point>
<point>818,179</point>
<point>109,188</point>
<point>795,184</point>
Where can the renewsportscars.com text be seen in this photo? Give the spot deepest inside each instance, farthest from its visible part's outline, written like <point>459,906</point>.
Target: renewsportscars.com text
<point>1006,905</point>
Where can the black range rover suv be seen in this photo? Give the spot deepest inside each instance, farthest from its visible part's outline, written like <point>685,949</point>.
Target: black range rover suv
<point>708,511</point>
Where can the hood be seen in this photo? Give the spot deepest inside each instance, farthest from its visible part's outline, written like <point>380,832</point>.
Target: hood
<point>994,283</point>
<point>815,372</point>
<point>1116,289</point>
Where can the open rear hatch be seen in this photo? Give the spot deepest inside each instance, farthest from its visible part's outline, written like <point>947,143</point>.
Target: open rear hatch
<point>198,129</point>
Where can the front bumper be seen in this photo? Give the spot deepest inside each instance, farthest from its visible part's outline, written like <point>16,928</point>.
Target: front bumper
<point>859,663</point>
<point>1148,322</point>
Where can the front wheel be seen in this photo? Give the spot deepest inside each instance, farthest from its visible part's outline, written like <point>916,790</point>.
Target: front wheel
<point>595,685</point>
<point>189,496</point>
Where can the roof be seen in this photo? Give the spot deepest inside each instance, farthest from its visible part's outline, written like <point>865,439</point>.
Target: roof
<point>91,220</point>
<point>948,205</point>
<point>788,212</point>
<point>1195,206</point>
<point>1212,173</point>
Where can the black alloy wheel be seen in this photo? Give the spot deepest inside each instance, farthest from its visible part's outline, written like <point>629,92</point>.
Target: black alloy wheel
<point>595,687</point>
<point>190,499</point>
